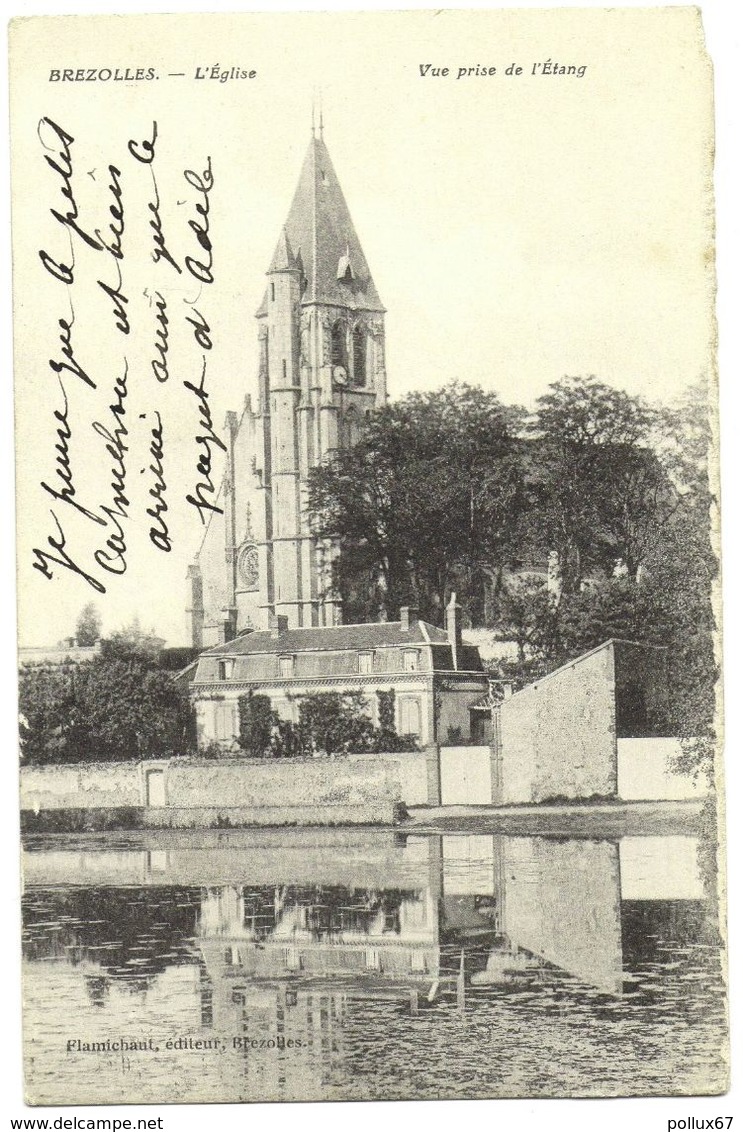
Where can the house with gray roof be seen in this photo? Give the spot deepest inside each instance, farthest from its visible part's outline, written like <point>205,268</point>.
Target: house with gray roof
<point>437,677</point>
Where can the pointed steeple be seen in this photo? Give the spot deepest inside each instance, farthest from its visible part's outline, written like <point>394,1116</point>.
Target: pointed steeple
<point>283,257</point>
<point>320,230</point>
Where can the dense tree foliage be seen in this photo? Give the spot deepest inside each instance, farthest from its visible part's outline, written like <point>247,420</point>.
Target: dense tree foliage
<point>88,625</point>
<point>663,594</point>
<point>450,490</point>
<point>339,722</point>
<point>603,493</point>
<point>132,642</point>
<point>329,723</point>
<point>423,502</point>
<point>120,705</point>
<point>257,722</point>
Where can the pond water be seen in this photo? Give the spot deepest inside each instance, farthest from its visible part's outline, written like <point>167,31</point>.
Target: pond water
<point>342,964</point>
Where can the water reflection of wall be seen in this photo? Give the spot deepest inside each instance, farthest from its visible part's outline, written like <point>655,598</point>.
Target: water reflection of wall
<point>562,902</point>
<point>316,856</point>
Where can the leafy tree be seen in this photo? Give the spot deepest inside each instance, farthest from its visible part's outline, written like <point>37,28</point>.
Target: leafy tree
<point>666,600</point>
<point>602,491</point>
<point>107,709</point>
<point>88,626</point>
<point>257,722</point>
<point>287,740</point>
<point>131,710</point>
<point>428,498</point>
<point>48,713</point>
<point>386,709</point>
<point>333,723</point>
<point>525,613</point>
<point>131,642</point>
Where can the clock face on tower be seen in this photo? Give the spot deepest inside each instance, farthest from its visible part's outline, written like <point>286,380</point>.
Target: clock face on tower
<point>340,377</point>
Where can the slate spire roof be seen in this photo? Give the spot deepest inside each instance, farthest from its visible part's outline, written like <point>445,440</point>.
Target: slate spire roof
<point>283,258</point>
<point>320,236</point>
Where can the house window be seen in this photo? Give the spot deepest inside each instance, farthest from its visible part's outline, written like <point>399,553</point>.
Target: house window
<point>410,660</point>
<point>410,715</point>
<point>365,663</point>
<point>273,292</point>
<point>226,668</point>
<point>286,667</point>
<point>224,721</point>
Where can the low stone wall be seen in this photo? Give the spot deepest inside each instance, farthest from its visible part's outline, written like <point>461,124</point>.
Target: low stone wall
<point>83,786</point>
<point>414,770</point>
<point>361,789</point>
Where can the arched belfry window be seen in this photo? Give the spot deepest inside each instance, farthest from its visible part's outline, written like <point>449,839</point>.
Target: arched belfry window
<point>338,344</point>
<point>359,356</point>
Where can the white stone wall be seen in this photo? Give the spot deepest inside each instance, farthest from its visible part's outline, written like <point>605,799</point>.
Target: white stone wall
<point>558,735</point>
<point>644,772</point>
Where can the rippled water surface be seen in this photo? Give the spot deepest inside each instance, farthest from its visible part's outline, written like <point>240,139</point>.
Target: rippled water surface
<point>269,965</point>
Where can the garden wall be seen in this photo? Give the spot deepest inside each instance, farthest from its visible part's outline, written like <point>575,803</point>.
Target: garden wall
<point>557,736</point>
<point>646,771</point>
<point>361,789</point>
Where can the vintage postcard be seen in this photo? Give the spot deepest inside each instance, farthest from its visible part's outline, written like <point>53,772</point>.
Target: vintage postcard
<point>368,572</point>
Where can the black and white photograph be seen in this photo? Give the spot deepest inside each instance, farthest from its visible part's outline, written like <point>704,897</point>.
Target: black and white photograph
<point>368,557</point>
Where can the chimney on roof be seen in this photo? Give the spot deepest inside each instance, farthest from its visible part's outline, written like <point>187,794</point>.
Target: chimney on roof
<point>454,629</point>
<point>279,624</point>
<point>408,617</point>
<point>227,624</point>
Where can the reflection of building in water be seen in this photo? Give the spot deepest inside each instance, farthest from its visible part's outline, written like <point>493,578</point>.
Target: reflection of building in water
<point>289,982</point>
<point>320,930</point>
<point>280,963</point>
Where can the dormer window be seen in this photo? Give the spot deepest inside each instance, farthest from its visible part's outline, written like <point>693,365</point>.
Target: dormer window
<point>345,273</point>
<point>226,668</point>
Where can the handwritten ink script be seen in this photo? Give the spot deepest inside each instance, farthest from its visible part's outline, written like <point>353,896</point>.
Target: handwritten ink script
<point>129,271</point>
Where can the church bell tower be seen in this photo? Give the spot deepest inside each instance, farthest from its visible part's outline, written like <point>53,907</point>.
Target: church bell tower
<point>321,373</point>
<point>321,332</point>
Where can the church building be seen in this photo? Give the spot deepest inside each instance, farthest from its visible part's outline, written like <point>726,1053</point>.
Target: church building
<point>321,372</point>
